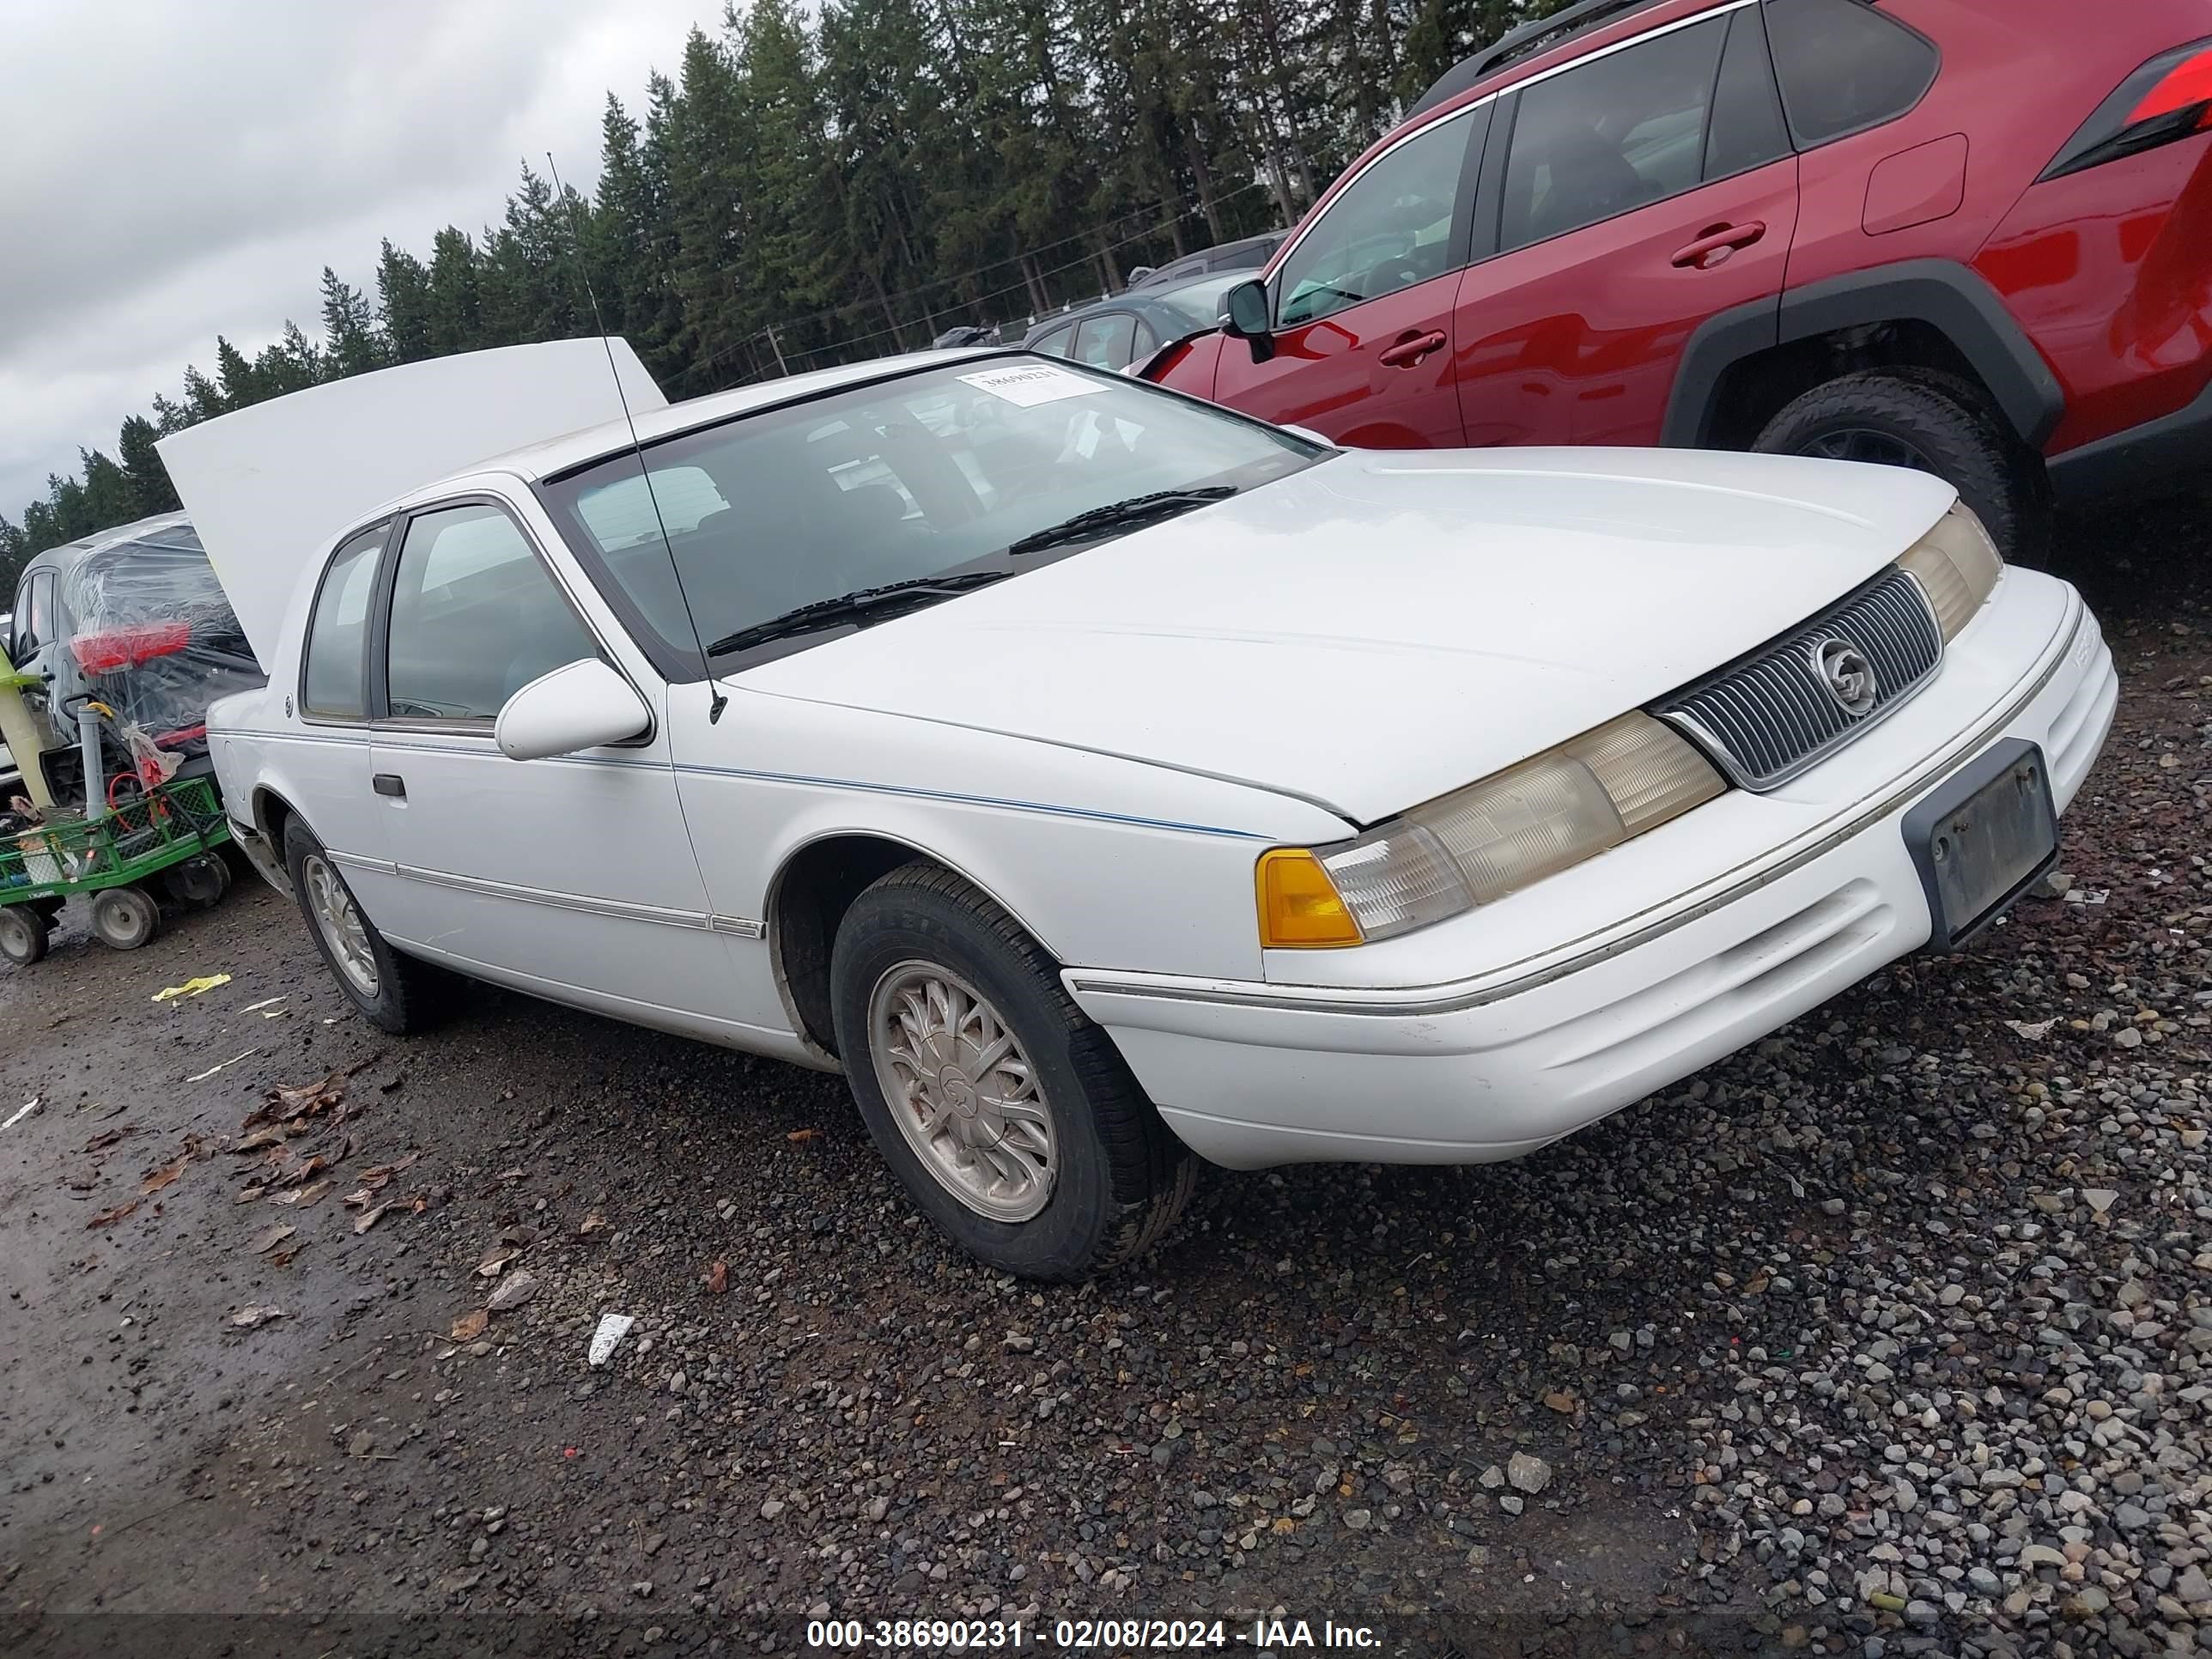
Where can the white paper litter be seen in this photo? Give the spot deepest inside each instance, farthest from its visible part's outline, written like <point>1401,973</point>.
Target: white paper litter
<point>20,1113</point>
<point>1027,385</point>
<point>605,1340</point>
<point>201,1077</point>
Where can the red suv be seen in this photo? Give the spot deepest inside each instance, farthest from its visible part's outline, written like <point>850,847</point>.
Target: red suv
<point>1973,236</point>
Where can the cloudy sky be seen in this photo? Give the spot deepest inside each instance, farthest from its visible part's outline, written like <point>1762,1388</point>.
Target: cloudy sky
<point>178,169</point>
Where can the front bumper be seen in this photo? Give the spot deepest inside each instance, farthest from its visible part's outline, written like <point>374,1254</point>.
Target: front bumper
<point>1251,1074</point>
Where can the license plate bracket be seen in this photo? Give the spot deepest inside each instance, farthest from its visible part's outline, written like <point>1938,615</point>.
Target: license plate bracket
<point>1983,839</point>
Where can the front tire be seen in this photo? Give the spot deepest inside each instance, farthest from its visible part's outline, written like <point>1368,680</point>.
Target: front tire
<point>1009,1117</point>
<point>1932,423</point>
<point>23,935</point>
<point>392,991</point>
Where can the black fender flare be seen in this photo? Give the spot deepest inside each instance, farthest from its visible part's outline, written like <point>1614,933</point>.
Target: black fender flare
<point>1943,294</point>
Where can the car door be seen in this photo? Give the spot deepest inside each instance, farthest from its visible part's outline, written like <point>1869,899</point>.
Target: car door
<point>1362,347</point>
<point>572,876</point>
<point>1630,197</point>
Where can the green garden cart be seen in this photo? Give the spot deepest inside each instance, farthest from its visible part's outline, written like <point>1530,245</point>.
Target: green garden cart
<point>172,834</point>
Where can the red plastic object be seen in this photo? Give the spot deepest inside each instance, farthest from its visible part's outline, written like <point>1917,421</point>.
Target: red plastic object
<point>127,648</point>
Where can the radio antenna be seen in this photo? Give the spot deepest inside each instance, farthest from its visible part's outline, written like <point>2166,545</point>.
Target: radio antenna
<point>717,698</point>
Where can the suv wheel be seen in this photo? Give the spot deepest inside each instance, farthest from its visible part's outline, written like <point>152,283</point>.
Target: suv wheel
<point>1009,1117</point>
<point>1933,423</point>
<point>395,992</point>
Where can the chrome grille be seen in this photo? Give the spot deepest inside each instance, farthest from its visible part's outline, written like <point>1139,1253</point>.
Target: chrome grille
<point>1766,718</point>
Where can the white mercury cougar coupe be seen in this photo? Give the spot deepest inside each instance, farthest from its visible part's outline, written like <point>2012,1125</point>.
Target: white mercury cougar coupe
<point>1097,777</point>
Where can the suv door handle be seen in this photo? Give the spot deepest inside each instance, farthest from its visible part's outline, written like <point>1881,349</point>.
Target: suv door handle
<point>1411,350</point>
<point>390,783</point>
<point>1716,244</point>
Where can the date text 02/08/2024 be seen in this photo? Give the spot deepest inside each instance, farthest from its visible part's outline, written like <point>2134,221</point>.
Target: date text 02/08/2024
<point>1082,1635</point>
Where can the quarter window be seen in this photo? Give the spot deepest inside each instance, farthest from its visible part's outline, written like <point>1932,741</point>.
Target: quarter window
<point>335,680</point>
<point>1616,134</point>
<point>475,617</point>
<point>1844,66</point>
<point>1056,344</point>
<point>1389,229</point>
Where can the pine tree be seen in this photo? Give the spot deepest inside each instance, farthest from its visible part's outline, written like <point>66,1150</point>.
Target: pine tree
<point>350,345</point>
<point>453,312</point>
<point>151,492</point>
<point>403,303</point>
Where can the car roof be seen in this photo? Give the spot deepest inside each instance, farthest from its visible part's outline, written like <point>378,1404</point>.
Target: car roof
<point>1530,40</point>
<point>64,554</point>
<point>593,443</point>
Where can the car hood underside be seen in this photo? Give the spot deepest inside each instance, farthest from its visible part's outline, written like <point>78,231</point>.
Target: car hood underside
<point>1387,625</point>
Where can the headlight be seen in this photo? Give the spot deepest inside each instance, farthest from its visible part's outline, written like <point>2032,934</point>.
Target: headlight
<point>1957,566</point>
<point>1485,841</point>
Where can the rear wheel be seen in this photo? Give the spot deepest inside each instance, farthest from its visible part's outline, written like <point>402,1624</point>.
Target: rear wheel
<point>1929,422</point>
<point>22,934</point>
<point>124,918</point>
<point>394,992</point>
<point>1011,1119</point>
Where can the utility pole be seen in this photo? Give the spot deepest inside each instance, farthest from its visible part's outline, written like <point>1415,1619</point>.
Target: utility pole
<point>775,345</point>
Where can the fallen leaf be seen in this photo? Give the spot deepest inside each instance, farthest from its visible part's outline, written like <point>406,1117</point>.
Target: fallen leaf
<point>369,1218</point>
<point>297,1100</point>
<point>308,1169</point>
<point>490,1266</point>
<point>303,1197</point>
<point>284,1258</point>
<point>372,1179</point>
<point>593,1222</point>
<point>109,1218</point>
<point>2033,1029</point>
<point>470,1325</point>
<point>511,1293</point>
<point>247,1194</point>
<point>267,1135</point>
<point>249,1317</point>
<point>161,1178</point>
<point>718,1279</point>
<point>358,1199</point>
<point>1562,1401</point>
<point>269,1237</point>
<point>101,1142</point>
<point>804,1134</point>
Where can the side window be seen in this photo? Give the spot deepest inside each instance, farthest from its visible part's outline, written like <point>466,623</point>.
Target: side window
<point>1146,342</point>
<point>1390,229</point>
<point>474,617</point>
<point>1844,66</point>
<point>34,613</point>
<point>1107,340</point>
<point>1056,344</point>
<point>1746,124</point>
<point>334,682</point>
<point>1616,134</point>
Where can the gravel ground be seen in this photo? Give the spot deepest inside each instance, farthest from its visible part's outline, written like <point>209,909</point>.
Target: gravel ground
<point>1889,1336</point>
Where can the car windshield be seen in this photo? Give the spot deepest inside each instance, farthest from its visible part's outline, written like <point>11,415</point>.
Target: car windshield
<point>931,473</point>
<point>1200,301</point>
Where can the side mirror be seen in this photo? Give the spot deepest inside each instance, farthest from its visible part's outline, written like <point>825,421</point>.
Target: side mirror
<point>1244,317</point>
<point>1312,436</point>
<point>580,706</point>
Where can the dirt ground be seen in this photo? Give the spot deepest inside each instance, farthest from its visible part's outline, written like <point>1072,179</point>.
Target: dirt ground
<point>1299,1406</point>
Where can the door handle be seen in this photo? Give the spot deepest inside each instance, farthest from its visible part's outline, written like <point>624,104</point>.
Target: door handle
<point>390,783</point>
<point>1715,245</point>
<point>1411,350</point>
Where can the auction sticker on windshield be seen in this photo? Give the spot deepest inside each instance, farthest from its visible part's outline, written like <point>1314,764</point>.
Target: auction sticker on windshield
<point>1029,385</point>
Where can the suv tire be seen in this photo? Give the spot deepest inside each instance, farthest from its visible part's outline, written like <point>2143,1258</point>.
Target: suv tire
<point>1078,1174</point>
<point>395,992</point>
<point>1932,421</point>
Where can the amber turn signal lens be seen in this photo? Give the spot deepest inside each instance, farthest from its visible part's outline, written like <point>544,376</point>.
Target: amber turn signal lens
<point>1299,909</point>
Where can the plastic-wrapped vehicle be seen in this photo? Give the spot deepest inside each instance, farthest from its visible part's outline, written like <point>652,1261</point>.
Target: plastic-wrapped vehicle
<point>135,618</point>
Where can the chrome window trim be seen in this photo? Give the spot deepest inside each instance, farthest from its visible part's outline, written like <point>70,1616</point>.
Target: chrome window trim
<point>1456,996</point>
<point>1282,254</point>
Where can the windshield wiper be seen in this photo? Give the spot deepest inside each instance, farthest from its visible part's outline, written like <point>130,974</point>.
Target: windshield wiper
<point>1122,515</point>
<point>866,603</point>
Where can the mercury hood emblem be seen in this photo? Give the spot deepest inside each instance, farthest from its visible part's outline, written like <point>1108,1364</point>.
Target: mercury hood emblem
<point>1844,669</point>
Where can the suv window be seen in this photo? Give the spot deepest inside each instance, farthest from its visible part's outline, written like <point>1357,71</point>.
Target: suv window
<point>1055,341</point>
<point>1108,341</point>
<point>1616,134</point>
<point>474,617</point>
<point>1745,131</point>
<point>334,682</point>
<point>1389,228</point>
<point>1844,66</point>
